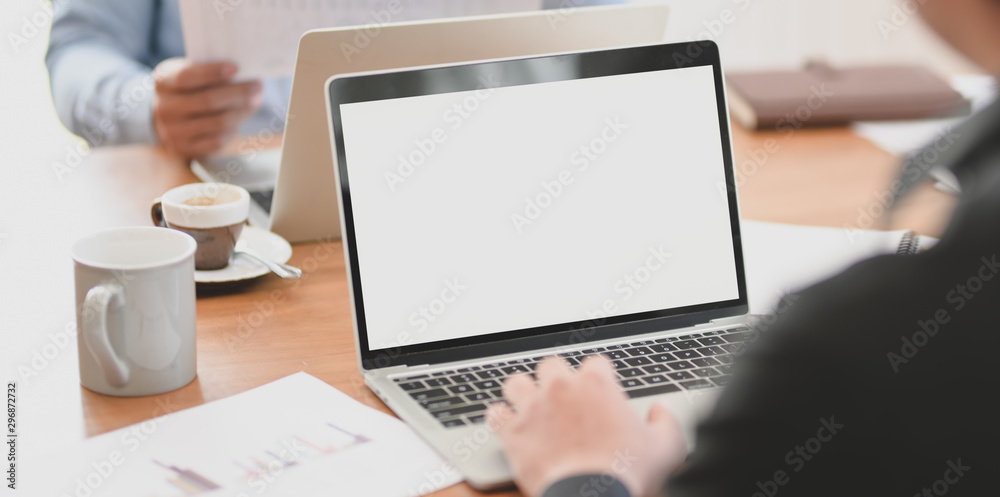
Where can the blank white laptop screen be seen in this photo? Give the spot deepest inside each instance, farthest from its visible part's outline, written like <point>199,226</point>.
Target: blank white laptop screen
<point>500,209</point>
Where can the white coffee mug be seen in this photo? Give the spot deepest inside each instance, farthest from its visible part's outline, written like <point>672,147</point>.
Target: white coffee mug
<point>135,304</point>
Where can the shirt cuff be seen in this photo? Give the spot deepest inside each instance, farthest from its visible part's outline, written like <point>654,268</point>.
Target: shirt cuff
<point>594,485</point>
<point>134,108</point>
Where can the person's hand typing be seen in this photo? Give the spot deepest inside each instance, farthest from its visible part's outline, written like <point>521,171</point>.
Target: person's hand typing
<point>197,108</point>
<point>574,423</point>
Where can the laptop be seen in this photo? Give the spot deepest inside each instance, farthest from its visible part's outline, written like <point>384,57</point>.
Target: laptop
<point>495,213</point>
<point>293,198</point>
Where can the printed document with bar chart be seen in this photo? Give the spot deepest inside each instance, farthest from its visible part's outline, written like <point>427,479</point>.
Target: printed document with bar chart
<point>296,436</point>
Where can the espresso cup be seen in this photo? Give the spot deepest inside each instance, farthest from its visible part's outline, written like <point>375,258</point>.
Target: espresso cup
<point>135,304</point>
<point>212,213</point>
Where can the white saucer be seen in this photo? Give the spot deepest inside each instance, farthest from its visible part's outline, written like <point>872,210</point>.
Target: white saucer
<point>242,267</point>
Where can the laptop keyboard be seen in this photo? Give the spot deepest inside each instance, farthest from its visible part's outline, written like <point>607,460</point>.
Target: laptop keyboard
<point>460,397</point>
<point>263,199</point>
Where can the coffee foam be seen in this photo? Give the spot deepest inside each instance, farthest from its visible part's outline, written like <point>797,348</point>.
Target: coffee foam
<point>200,201</point>
<point>231,205</point>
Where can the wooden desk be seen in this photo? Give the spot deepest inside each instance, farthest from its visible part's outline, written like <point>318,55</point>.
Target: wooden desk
<point>271,328</point>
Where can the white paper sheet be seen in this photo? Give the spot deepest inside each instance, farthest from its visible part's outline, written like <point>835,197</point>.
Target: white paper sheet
<point>782,258</point>
<point>296,436</point>
<point>262,36</point>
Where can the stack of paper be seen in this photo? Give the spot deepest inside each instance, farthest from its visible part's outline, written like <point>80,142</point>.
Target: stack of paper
<point>261,36</point>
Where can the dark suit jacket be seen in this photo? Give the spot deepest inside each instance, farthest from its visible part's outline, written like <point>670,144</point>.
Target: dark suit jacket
<point>880,381</point>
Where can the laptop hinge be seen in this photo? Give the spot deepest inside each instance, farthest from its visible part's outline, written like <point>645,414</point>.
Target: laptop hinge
<point>725,321</point>
<point>382,372</point>
<point>409,368</point>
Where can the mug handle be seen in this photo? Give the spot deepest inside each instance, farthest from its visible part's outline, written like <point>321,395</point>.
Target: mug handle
<point>156,212</point>
<point>95,331</point>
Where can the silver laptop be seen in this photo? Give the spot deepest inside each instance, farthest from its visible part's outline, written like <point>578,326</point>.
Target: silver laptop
<point>295,200</point>
<point>499,212</point>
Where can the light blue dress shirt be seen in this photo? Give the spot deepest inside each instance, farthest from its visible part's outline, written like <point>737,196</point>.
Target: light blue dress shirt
<point>100,58</point>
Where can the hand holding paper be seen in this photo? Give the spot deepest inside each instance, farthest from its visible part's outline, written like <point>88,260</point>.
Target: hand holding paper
<point>197,106</point>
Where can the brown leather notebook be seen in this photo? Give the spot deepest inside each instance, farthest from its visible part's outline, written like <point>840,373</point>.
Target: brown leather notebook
<point>820,95</point>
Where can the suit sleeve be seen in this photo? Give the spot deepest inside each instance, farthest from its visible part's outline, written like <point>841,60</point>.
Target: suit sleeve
<point>867,384</point>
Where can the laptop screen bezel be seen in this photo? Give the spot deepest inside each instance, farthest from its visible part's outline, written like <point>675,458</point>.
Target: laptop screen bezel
<point>521,71</point>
